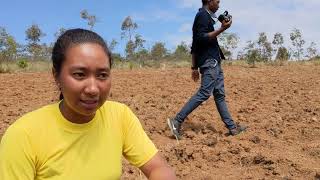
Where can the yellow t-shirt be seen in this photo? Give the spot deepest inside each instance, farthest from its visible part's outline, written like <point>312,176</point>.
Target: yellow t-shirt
<point>44,145</point>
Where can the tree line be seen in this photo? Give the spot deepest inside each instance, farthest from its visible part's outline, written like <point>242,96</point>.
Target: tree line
<point>259,50</point>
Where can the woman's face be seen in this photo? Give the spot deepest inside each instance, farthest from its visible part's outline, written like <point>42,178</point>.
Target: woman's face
<point>85,81</point>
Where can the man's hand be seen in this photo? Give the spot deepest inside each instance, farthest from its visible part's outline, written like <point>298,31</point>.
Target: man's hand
<point>195,75</point>
<point>225,25</point>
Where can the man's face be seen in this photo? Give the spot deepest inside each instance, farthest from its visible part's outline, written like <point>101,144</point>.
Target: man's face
<point>213,5</point>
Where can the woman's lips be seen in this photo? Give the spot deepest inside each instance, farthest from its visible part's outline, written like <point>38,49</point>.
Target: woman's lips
<point>89,104</point>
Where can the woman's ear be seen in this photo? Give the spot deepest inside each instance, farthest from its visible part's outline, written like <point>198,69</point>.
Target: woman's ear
<point>55,76</point>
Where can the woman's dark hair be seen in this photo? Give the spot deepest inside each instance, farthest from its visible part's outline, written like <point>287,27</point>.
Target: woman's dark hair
<point>74,37</point>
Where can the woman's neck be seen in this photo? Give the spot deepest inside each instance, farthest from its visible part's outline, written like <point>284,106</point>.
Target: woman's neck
<point>72,116</point>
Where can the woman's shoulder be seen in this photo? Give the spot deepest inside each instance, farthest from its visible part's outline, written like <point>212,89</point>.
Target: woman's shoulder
<point>115,111</point>
<point>36,118</point>
<point>114,106</point>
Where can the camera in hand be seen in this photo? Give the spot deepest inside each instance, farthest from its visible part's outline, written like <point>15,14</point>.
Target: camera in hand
<point>225,17</point>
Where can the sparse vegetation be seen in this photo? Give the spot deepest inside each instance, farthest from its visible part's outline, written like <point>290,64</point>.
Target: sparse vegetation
<point>15,57</point>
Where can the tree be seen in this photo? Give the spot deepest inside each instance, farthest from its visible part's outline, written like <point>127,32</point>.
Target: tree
<point>312,50</point>
<point>116,57</point>
<point>265,48</point>
<point>278,40</point>
<point>11,50</point>
<point>59,32</point>
<point>139,42</point>
<point>34,34</point>
<point>241,55</point>
<point>8,45</point>
<point>22,50</point>
<point>128,27</point>
<point>297,42</point>
<point>112,45</point>
<point>3,38</point>
<point>142,55</point>
<point>46,51</point>
<point>226,53</point>
<point>182,51</point>
<point>92,19</point>
<point>3,43</point>
<point>229,42</point>
<point>282,53</point>
<point>130,47</point>
<point>252,53</point>
<point>158,51</point>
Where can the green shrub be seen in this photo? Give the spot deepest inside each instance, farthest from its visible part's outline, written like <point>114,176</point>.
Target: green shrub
<point>22,64</point>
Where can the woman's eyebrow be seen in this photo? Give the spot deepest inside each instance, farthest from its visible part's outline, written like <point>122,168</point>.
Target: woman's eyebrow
<point>78,67</point>
<point>103,69</point>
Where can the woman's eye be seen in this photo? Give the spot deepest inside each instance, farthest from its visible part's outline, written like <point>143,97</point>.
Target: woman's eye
<point>78,75</point>
<point>103,75</point>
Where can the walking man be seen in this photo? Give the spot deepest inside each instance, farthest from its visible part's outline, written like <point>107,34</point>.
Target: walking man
<point>206,58</point>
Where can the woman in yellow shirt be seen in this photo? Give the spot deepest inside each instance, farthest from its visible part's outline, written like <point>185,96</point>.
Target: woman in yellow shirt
<point>83,136</point>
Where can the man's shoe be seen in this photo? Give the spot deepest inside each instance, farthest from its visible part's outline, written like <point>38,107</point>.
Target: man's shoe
<point>239,129</point>
<point>175,127</point>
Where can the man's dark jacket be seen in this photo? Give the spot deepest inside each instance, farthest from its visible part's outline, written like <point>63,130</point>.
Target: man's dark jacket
<point>203,47</point>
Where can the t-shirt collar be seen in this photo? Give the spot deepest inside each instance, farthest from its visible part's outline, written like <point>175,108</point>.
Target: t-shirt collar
<point>212,15</point>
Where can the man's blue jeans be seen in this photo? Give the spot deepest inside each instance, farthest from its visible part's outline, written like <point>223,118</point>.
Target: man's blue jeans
<point>212,83</point>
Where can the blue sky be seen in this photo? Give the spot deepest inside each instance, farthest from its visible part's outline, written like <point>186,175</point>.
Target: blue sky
<point>167,21</point>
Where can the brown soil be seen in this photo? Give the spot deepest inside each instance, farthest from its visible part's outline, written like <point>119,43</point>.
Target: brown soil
<point>280,104</point>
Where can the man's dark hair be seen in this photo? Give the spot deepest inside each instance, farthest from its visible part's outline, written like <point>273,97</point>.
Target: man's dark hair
<point>205,2</point>
<point>74,37</point>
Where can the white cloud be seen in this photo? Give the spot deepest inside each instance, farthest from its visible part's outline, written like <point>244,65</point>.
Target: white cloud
<point>276,16</point>
<point>253,16</point>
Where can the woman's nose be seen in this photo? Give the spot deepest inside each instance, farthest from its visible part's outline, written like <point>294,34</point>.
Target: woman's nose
<point>91,87</point>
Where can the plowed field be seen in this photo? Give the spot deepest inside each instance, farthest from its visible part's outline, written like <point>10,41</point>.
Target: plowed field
<point>279,104</point>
